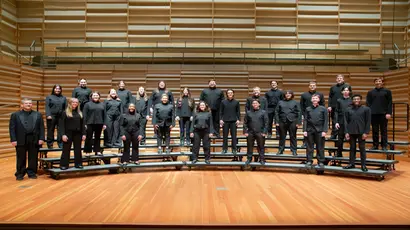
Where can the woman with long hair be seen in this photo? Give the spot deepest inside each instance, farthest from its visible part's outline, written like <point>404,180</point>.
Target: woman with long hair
<point>55,106</point>
<point>113,111</point>
<point>94,119</point>
<point>141,106</point>
<point>131,132</point>
<point>73,132</point>
<point>201,129</point>
<point>184,111</point>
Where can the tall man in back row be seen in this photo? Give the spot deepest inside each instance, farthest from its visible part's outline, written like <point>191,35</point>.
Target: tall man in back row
<point>27,135</point>
<point>380,101</point>
<point>213,97</point>
<point>273,96</point>
<point>335,94</point>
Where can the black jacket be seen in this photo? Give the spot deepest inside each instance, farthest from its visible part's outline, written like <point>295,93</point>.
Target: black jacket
<point>156,97</point>
<point>55,105</point>
<point>256,121</point>
<point>131,123</point>
<point>141,106</point>
<point>125,97</point>
<point>357,120</point>
<point>212,97</point>
<point>306,100</point>
<point>19,123</point>
<point>94,113</point>
<point>288,110</point>
<point>183,108</point>
<point>262,100</point>
<point>335,93</point>
<point>273,97</point>
<point>380,101</point>
<point>82,94</point>
<point>316,119</point>
<point>113,107</point>
<point>341,107</point>
<point>230,110</point>
<point>72,124</point>
<point>201,121</point>
<point>163,115</point>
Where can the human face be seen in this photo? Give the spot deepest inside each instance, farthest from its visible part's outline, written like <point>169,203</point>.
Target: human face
<point>288,96</point>
<point>27,105</point>
<point>141,91</point>
<point>121,85</point>
<point>312,86</point>
<point>57,90</point>
<point>113,93</point>
<point>255,105</point>
<point>230,94</point>
<point>95,97</point>
<point>161,85</point>
<point>256,92</point>
<point>74,103</point>
<point>164,99</point>
<point>131,108</point>
<point>315,100</point>
<point>83,83</point>
<point>202,106</point>
<point>274,85</point>
<point>185,92</point>
<point>212,84</point>
<point>346,92</point>
<point>356,101</point>
<point>340,79</point>
<point>378,83</point>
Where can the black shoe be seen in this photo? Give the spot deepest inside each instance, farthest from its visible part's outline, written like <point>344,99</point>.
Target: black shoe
<point>234,151</point>
<point>33,176</point>
<point>217,135</point>
<point>384,148</point>
<point>339,154</point>
<point>321,165</point>
<point>20,178</point>
<point>50,146</point>
<point>235,159</point>
<point>108,145</point>
<point>224,151</point>
<point>269,135</point>
<point>350,166</point>
<point>167,150</point>
<point>374,148</point>
<point>142,143</point>
<point>248,161</point>
<point>79,166</point>
<point>364,168</point>
<point>181,142</point>
<point>280,151</point>
<point>160,151</point>
<point>303,145</point>
<point>333,137</point>
<point>207,162</point>
<point>263,162</point>
<point>294,153</point>
<point>63,168</point>
<point>309,165</point>
<point>194,161</point>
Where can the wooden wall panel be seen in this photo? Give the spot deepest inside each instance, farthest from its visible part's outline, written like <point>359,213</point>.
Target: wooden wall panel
<point>8,29</point>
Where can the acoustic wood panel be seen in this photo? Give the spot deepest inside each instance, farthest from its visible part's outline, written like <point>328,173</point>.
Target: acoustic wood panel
<point>8,29</point>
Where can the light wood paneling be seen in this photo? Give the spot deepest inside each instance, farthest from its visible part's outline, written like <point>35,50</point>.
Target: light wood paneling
<point>8,29</point>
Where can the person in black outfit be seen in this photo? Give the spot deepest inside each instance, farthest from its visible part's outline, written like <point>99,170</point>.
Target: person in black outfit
<point>26,130</point>
<point>113,110</point>
<point>357,127</point>
<point>55,105</point>
<point>201,129</point>
<point>82,93</point>
<point>256,95</point>
<point>125,95</point>
<point>156,98</point>
<point>141,106</point>
<point>163,119</point>
<point>131,132</point>
<point>380,101</point>
<point>184,111</point>
<point>94,119</point>
<point>255,127</point>
<point>73,130</point>
<point>315,128</point>
<point>306,101</point>
<point>335,94</point>
<point>273,96</point>
<point>341,106</point>
<point>213,98</point>
<point>230,114</point>
<point>288,117</point>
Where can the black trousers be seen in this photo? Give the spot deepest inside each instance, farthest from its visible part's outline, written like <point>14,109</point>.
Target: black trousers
<point>163,134</point>
<point>112,131</point>
<point>143,127</point>
<point>215,121</point>
<point>315,138</point>
<point>332,115</point>
<point>260,142</point>
<point>284,128</point>
<point>52,124</point>
<point>75,139</point>
<point>28,150</point>
<point>201,134</point>
<point>362,147</point>
<point>91,144</point>
<point>271,115</point>
<point>379,123</point>
<point>229,126</point>
<point>340,138</point>
<point>184,126</point>
<point>131,138</point>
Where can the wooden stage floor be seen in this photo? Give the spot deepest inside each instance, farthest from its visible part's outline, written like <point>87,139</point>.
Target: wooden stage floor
<point>205,197</point>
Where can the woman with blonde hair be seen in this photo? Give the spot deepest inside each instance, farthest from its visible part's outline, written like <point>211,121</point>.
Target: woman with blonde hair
<point>113,110</point>
<point>184,111</point>
<point>73,132</point>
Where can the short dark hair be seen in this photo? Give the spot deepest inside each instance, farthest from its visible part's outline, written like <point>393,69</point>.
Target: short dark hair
<point>257,100</point>
<point>378,78</point>
<point>273,81</point>
<point>91,95</point>
<point>314,82</point>
<point>346,87</point>
<point>316,95</point>
<point>233,91</point>
<point>291,92</point>
<point>357,95</point>
<point>206,107</point>
<point>213,79</point>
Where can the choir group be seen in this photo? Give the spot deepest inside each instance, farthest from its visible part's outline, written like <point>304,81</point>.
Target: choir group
<point>123,119</point>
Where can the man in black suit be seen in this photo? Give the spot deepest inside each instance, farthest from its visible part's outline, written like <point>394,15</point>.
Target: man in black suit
<point>27,135</point>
